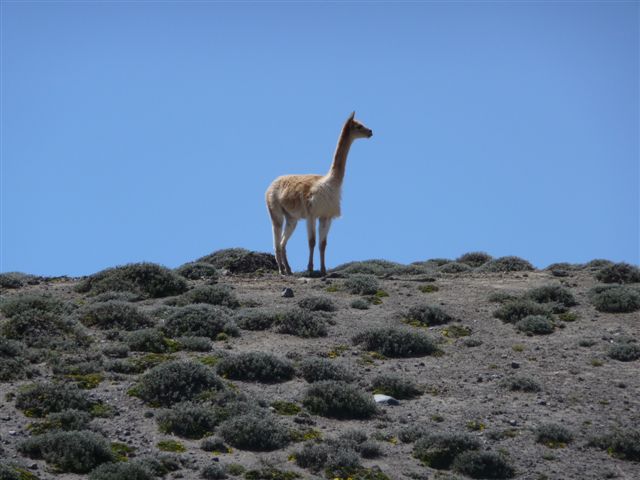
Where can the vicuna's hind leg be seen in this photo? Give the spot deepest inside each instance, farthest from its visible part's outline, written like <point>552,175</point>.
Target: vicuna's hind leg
<point>277,219</point>
<point>288,231</point>
<point>311,234</point>
<point>325,224</point>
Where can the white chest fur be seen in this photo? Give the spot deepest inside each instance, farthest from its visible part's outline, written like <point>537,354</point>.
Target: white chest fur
<point>325,199</point>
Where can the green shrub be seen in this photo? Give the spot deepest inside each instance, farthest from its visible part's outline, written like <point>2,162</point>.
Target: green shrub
<point>171,446</point>
<point>213,444</point>
<point>213,471</point>
<point>502,297</point>
<point>114,315</point>
<point>221,295</point>
<point>145,279</point>
<point>622,444</point>
<point>14,363</point>
<point>270,473</point>
<point>317,304</point>
<point>239,260</point>
<point>147,340</point>
<point>188,420</point>
<point>194,344</point>
<point>483,465</point>
<point>552,294</point>
<point>440,450</point>
<point>619,273</point>
<point>360,284</point>
<point>200,321</point>
<point>397,387</point>
<point>10,473</point>
<point>520,384</point>
<point>256,319</point>
<point>360,304</point>
<point>66,420</point>
<point>472,342</point>
<point>41,329</point>
<point>514,310</point>
<point>116,350</point>
<point>173,382</point>
<point>198,271</point>
<point>412,433</point>
<point>318,369</point>
<point>553,435</point>
<point>121,471</point>
<point>22,303</point>
<point>313,456</point>
<point>624,352</point>
<point>301,323</point>
<point>17,279</point>
<point>77,451</point>
<point>257,367</point>
<point>454,267</point>
<point>535,325</point>
<point>507,264</point>
<point>474,259</point>
<point>118,296</point>
<point>615,299</point>
<point>377,267</point>
<point>81,364</point>
<point>428,315</point>
<point>396,342</point>
<point>40,399</point>
<point>255,431</point>
<point>338,399</point>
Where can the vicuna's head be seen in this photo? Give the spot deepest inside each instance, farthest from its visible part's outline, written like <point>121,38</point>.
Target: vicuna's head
<point>355,129</point>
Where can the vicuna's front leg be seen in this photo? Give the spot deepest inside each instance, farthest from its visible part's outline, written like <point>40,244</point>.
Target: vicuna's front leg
<point>325,224</point>
<point>311,234</point>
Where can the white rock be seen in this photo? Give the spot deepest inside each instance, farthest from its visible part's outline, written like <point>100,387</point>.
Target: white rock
<point>385,399</point>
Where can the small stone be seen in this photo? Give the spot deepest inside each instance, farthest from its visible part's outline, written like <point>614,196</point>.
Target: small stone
<point>287,292</point>
<point>12,432</point>
<point>515,365</point>
<point>504,355</point>
<point>513,423</point>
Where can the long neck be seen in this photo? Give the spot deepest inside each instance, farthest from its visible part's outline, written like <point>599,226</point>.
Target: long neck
<point>340,156</point>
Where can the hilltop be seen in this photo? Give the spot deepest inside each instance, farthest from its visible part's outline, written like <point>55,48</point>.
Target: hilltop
<point>211,370</point>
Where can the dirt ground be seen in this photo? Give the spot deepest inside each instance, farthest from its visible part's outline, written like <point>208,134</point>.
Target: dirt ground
<point>582,388</point>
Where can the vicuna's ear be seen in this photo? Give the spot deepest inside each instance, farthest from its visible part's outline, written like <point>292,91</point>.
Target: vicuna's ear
<point>353,114</point>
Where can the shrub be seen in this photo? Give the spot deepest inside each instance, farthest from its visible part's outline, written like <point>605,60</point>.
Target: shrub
<point>619,273</point>
<point>412,433</point>
<point>221,295</point>
<point>397,387</point>
<point>362,284</point>
<point>66,420</point>
<point>552,294</point>
<point>553,435</point>
<point>483,465</point>
<point>256,319</point>
<point>313,456</point>
<point>623,444</point>
<point>188,420</point>
<point>507,264</point>
<point>194,344</point>
<point>147,340</point>
<point>198,271</point>
<point>213,444</point>
<point>78,451</point>
<point>615,299</point>
<point>119,296</point>
<point>317,304</point>
<point>454,267</point>
<point>520,384</point>
<point>428,315</point>
<point>474,259</point>
<point>40,399</point>
<point>502,297</point>
<point>114,314</point>
<point>535,324</point>
<point>338,399</point>
<point>213,471</point>
<point>116,350</point>
<point>121,471</point>
<point>377,267</point>
<point>173,382</point>
<point>13,360</point>
<point>239,260</point>
<point>514,310</point>
<point>624,352</point>
<point>17,280</point>
<point>200,321</point>
<point>145,279</point>
<point>42,329</point>
<point>256,366</point>
<point>301,323</point>
<point>255,431</point>
<point>439,450</point>
<point>395,342</point>
<point>472,342</point>
<point>10,473</point>
<point>17,304</point>
<point>318,369</point>
<point>360,304</point>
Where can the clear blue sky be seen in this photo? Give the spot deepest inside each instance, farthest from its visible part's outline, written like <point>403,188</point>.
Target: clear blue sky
<point>149,131</point>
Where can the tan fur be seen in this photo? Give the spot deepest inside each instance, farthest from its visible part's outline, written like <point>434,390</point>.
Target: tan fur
<point>312,197</point>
